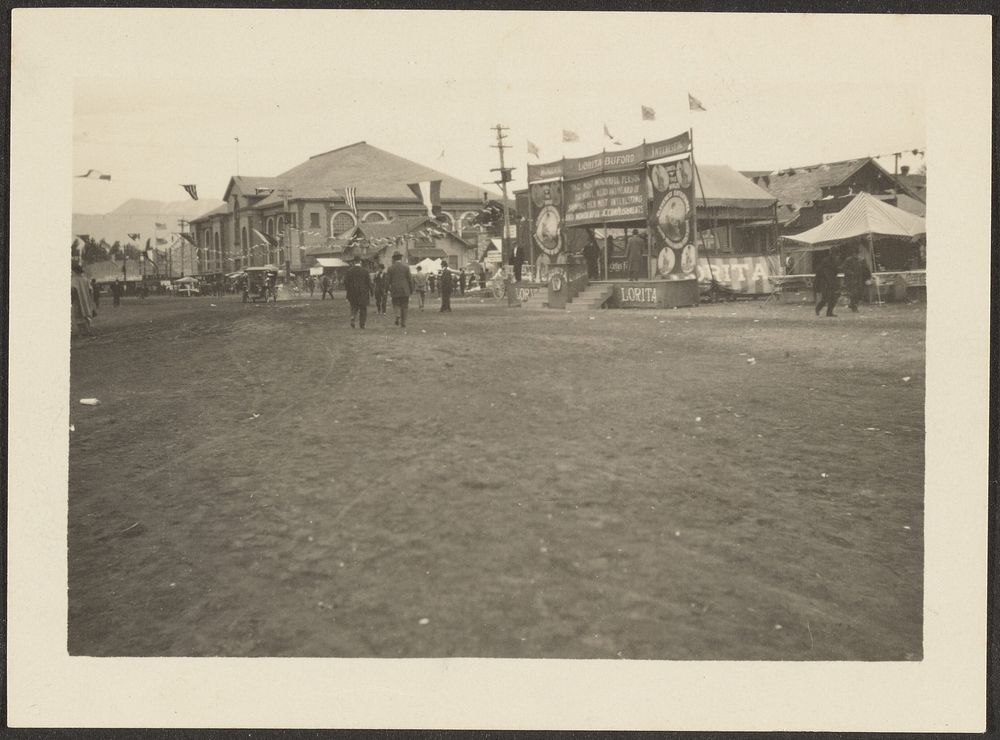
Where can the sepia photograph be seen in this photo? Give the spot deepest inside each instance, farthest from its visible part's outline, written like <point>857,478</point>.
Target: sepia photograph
<point>423,337</point>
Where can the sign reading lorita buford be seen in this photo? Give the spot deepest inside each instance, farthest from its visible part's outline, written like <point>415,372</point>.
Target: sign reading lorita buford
<point>671,218</point>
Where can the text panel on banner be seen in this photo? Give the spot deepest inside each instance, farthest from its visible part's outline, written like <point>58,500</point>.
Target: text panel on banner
<point>671,218</point>
<point>545,202</point>
<point>602,198</point>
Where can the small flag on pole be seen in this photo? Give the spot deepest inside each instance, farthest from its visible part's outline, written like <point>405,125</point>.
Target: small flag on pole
<point>429,192</point>
<point>648,114</point>
<point>694,103</point>
<point>192,190</point>
<point>532,149</point>
<point>351,198</point>
<point>160,226</point>
<point>569,136</point>
<point>134,237</point>
<point>94,175</point>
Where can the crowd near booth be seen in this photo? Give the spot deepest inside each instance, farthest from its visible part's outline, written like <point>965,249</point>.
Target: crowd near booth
<point>893,242</point>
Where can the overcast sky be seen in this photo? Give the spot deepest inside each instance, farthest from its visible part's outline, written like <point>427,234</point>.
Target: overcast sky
<point>163,94</point>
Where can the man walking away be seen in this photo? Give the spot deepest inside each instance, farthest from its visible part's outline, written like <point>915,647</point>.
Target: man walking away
<point>856,274</point>
<point>312,285</point>
<point>401,287</point>
<point>444,283</point>
<point>826,284</point>
<point>116,292</point>
<point>327,285</point>
<point>358,284</point>
<point>420,284</point>
<point>95,292</point>
<point>461,281</point>
<point>381,283</point>
<point>633,255</point>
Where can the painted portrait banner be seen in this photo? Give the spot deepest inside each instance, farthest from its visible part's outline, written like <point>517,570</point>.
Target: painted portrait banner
<point>545,202</point>
<point>605,198</point>
<point>671,218</point>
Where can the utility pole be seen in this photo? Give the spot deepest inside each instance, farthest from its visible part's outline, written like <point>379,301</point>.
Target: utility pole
<point>502,182</point>
<point>182,223</point>
<point>895,163</point>
<point>286,242</point>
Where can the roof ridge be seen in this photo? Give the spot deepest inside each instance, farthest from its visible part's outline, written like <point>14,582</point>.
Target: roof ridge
<point>338,149</point>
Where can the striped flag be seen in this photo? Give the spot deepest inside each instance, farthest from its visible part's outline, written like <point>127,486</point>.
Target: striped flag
<point>532,149</point>
<point>351,197</point>
<point>192,190</point>
<point>569,136</point>
<point>94,175</point>
<point>187,237</point>
<point>429,193</point>
<point>648,114</point>
<point>694,103</point>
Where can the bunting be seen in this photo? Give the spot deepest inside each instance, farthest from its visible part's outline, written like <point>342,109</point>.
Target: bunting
<point>267,239</point>
<point>429,193</point>
<point>187,237</point>
<point>94,175</point>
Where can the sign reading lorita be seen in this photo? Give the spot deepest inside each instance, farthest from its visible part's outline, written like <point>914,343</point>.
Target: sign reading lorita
<point>671,217</point>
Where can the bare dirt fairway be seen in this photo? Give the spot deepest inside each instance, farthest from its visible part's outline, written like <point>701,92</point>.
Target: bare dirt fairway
<point>263,480</point>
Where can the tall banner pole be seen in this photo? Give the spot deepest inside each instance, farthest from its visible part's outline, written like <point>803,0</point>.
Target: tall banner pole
<point>694,212</point>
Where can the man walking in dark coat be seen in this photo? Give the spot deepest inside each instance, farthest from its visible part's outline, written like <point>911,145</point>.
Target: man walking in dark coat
<point>381,283</point>
<point>327,285</point>
<point>590,254</point>
<point>358,284</point>
<point>856,274</point>
<point>827,284</point>
<point>400,287</point>
<point>444,285</point>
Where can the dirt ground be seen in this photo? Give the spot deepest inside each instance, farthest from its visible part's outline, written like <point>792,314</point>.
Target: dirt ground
<point>732,481</point>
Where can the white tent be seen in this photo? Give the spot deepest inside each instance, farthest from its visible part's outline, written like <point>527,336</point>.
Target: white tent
<point>866,215</point>
<point>331,262</point>
<point>428,266</point>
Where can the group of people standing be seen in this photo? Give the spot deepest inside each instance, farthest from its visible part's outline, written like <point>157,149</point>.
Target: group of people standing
<point>826,282</point>
<point>397,283</point>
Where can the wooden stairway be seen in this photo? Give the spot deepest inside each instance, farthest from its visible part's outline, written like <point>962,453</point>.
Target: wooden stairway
<point>591,298</point>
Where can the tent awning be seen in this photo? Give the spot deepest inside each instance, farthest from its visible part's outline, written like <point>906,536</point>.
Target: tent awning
<point>330,262</point>
<point>864,215</point>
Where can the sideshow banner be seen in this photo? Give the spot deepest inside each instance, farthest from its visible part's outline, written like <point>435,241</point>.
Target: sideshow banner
<point>603,198</point>
<point>671,218</point>
<point>546,216</point>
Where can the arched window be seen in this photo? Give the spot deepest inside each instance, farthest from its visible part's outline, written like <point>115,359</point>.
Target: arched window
<point>269,229</point>
<point>243,239</point>
<point>341,222</point>
<point>281,257</point>
<point>449,220</point>
<point>465,221</point>
<point>374,217</point>
<point>281,226</point>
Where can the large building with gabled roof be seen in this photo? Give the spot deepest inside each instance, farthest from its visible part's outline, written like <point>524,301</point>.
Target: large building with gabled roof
<point>311,200</point>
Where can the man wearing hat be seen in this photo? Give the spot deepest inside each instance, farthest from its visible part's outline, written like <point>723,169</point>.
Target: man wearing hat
<point>358,284</point>
<point>633,255</point>
<point>400,288</point>
<point>445,282</point>
<point>381,283</point>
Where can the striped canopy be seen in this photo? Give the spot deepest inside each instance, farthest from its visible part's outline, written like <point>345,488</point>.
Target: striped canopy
<point>864,215</point>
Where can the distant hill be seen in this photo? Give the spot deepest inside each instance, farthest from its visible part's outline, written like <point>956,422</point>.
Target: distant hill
<point>140,216</point>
